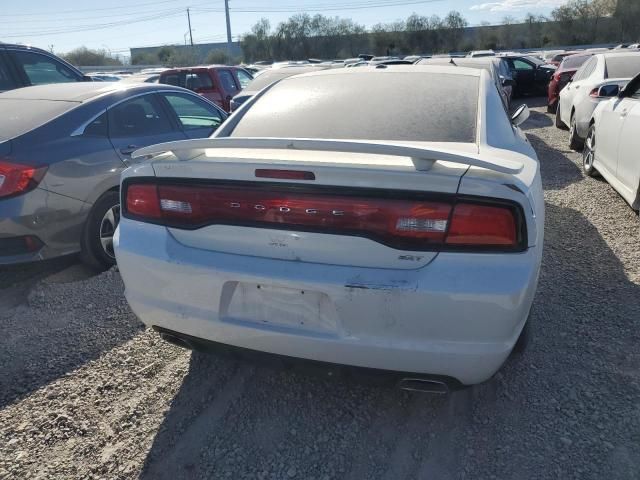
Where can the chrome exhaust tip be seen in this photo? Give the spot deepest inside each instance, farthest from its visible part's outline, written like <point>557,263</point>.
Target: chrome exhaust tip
<point>423,385</point>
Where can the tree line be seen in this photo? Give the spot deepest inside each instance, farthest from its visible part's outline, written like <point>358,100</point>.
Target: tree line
<point>303,36</point>
<point>575,23</point>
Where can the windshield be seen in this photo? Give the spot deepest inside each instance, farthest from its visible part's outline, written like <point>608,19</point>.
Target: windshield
<point>535,60</point>
<point>432,107</point>
<point>626,66</point>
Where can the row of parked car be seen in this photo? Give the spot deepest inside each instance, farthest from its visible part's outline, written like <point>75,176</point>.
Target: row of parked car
<point>600,106</point>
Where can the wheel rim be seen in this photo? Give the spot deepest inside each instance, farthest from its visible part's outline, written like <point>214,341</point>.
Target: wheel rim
<point>572,127</point>
<point>589,151</point>
<point>108,227</point>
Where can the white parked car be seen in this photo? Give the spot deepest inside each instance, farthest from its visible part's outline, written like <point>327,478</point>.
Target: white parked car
<point>497,67</point>
<point>613,143</point>
<point>579,98</point>
<point>481,53</point>
<point>403,237</point>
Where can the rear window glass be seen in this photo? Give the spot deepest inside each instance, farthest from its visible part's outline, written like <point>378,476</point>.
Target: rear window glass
<point>268,77</point>
<point>623,67</point>
<point>40,69</point>
<point>21,115</point>
<point>406,106</point>
<point>191,80</point>
<point>574,61</point>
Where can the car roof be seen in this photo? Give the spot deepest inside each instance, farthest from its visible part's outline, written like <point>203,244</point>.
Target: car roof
<point>197,67</point>
<point>381,69</point>
<point>74,92</point>
<point>617,53</point>
<point>19,46</point>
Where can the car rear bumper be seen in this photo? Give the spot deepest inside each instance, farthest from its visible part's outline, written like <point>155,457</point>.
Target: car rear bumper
<point>53,222</point>
<point>458,317</point>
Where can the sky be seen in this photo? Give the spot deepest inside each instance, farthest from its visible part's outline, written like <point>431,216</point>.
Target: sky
<point>115,26</point>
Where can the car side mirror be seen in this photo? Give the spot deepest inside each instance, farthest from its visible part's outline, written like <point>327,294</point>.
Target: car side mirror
<point>508,82</point>
<point>520,115</point>
<point>609,91</point>
<point>87,78</point>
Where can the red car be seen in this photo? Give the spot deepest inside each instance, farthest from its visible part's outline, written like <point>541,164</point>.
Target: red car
<point>562,76</point>
<point>556,60</point>
<point>218,83</point>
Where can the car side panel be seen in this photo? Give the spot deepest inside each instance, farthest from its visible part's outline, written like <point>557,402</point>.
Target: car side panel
<point>608,129</point>
<point>628,167</point>
<point>57,220</point>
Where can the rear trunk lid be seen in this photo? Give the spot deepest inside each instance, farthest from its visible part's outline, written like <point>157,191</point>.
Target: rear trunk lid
<point>346,178</point>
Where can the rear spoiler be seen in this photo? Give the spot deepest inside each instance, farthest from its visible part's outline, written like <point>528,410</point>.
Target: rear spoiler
<point>422,158</point>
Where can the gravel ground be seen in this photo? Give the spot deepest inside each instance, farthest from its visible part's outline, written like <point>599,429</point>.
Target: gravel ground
<point>86,392</point>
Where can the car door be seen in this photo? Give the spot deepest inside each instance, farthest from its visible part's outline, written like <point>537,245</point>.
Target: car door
<point>228,87</point>
<point>524,73</point>
<point>138,122</point>
<point>573,89</point>
<point>196,117</point>
<point>628,167</point>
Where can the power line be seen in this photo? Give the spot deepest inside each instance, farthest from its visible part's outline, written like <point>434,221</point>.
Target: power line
<point>85,28</point>
<point>326,7</point>
<point>64,12</point>
<point>92,17</point>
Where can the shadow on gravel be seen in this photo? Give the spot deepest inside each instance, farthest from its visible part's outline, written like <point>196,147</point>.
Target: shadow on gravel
<point>565,409</point>
<point>558,171</point>
<point>568,408</point>
<point>57,326</point>
<point>532,102</point>
<point>237,420</point>
<point>536,120</point>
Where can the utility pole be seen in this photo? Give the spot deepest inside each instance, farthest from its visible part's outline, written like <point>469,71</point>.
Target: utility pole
<point>189,21</point>
<point>226,11</point>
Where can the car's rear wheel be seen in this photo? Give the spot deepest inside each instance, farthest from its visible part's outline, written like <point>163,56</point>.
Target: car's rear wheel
<point>97,242</point>
<point>559,123</point>
<point>575,142</point>
<point>589,153</point>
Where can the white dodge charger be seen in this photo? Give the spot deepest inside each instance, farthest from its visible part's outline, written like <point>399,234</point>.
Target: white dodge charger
<point>386,218</point>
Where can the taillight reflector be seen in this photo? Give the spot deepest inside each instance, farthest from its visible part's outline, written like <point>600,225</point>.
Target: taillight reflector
<point>400,223</point>
<point>143,201</point>
<point>16,179</point>
<point>482,225</point>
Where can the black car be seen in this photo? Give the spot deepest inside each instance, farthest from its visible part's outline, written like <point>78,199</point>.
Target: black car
<point>23,66</point>
<point>531,74</point>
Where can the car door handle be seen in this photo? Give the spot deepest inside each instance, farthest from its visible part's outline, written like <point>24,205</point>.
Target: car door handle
<point>129,149</point>
<point>624,113</point>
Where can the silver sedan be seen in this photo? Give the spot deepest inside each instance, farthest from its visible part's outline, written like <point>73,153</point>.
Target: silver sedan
<point>62,148</point>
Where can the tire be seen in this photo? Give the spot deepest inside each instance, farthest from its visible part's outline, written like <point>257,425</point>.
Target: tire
<point>552,108</point>
<point>97,239</point>
<point>559,123</point>
<point>575,142</point>
<point>589,153</point>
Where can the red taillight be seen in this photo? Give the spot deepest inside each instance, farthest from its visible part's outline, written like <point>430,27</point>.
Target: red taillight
<point>400,223</point>
<point>143,201</point>
<point>482,225</point>
<point>16,179</point>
